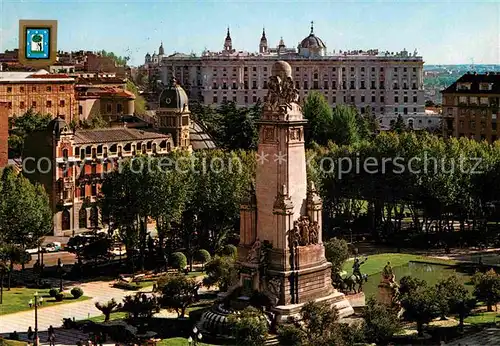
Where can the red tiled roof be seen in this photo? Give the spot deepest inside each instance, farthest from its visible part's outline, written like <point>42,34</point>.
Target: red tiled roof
<point>105,91</point>
<point>48,76</point>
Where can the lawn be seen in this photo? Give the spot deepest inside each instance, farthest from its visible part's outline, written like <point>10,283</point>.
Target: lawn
<point>17,299</point>
<point>4,342</point>
<point>112,317</point>
<point>483,317</point>
<point>179,342</point>
<point>376,263</point>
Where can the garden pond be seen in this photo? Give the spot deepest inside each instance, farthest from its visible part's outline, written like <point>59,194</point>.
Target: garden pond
<point>431,273</point>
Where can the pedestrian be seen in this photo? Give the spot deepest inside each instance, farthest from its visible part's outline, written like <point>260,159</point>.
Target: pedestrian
<point>30,333</point>
<point>52,340</point>
<point>51,330</point>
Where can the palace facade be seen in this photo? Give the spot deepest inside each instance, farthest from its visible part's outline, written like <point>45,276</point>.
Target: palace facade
<point>387,83</point>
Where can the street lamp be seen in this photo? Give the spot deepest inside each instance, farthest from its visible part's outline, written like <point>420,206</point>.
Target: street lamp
<point>193,340</point>
<point>60,268</point>
<point>36,303</point>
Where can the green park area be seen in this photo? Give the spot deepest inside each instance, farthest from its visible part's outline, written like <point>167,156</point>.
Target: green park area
<point>17,299</point>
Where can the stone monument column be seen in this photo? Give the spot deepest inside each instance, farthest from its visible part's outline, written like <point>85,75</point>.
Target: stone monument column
<point>288,215</point>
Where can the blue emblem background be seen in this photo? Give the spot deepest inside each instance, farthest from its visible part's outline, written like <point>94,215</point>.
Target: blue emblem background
<point>45,52</point>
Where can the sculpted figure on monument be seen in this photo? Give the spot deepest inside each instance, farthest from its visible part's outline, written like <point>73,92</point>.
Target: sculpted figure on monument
<point>253,254</point>
<point>294,236</point>
<point>274,92</point>
<point>314,233</point>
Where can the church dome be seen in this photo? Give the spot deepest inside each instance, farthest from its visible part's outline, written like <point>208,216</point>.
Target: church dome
<point>312,41</point>
<point>57,125</point>
<point>148,55</point>
<point>161,51</point>
<point>174,97</point>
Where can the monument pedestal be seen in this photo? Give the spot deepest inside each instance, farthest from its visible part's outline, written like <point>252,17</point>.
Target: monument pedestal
<point>336,299</point>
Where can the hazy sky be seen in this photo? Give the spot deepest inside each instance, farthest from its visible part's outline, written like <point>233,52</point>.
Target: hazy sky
<point>445,32</point>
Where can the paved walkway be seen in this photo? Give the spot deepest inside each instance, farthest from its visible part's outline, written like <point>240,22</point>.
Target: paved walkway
<point>100,291</point>
<point>488,337</point>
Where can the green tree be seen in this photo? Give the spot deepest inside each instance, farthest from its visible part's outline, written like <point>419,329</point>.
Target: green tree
<point>487,288</point>
<point>221,272</point>
<point>320,323</point>
<point>107,308</point>
<point>139,306</point>
<point>96,121</point>
<point>25,214</point>
<point>203,256</point>
<point>139,102</point>
<point>399,125</point>
<point>319,115</point>
<point>421,307</point>
<point>20,127</point>
<point>336,252</point>
<point>178,292</point>
<point>409,284</point>
<point>380,322</point>
<point>345,125</point>
<point>449,291</point>
<point>249,327</point>
<point>178,261</point>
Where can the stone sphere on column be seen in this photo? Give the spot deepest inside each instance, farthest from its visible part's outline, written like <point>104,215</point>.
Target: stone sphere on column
<point>281,69</point>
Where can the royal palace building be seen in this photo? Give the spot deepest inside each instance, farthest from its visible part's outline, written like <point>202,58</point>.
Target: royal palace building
<point>387,83</point>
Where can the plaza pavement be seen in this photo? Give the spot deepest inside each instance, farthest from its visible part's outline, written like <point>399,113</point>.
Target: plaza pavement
<point>100,291</point>
<point>488,337</point>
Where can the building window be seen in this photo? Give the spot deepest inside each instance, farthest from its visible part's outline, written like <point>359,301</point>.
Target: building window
<point>382,99</point>
<point>334,99</point>
<point>483,100</point>
<point>352,69</point>
<point>246,99</point>
<point>49,88</point>
<point>405,99</point>
<point>21,89</point>
<point>395,69</point>
<point>22,105</point>
<point>93,192</point>
<point>254,84</point>
<point>414,86</point>
<point>462,100</point>
<point>66,220</point>
<point>362,84</point>
<point>224,99</point>
<point>62,103</point>
<point>61,88</point>
<point>254,98</point>
<point>33,88</point>
<point>405,110</point>
<point>306,86</point>
<point>119,108</point>
<point>265,84</point>
<point>325,85</point>
<point>396,99</point>
<point>381,85</point>
<point>334,84</point>
<point>9,89</point>
<point>362,98</point>
<point>352,84</point>
<point>49,104</point>
<point>353,99</point>
<point>395,109</point>
<point>80,109</point>
<point>109,108</point>
<point>33,104</point>
<point>254,69</point>
<point>215,99</point>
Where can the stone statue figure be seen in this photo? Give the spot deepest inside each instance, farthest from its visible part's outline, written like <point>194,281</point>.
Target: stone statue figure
<point>388,273</point>
<point>304,232</point>
<point>294,236</point>
<point>314,233</point>
<point>274,92</point>
<point>356,268</point>
<point>253,254</point>
<point>289,93</point>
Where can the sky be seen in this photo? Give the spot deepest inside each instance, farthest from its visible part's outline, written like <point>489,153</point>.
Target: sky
<point>443,32</point>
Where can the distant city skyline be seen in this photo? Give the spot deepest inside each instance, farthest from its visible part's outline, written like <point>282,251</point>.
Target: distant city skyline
<point>443,32</point>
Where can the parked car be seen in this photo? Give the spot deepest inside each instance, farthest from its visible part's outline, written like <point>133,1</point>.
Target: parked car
<point>53,247</point>
<point>32,251</point>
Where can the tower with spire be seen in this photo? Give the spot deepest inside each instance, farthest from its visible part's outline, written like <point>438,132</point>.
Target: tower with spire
<point>263,42</point>
<point>161,52</point>
<point>228,43</point>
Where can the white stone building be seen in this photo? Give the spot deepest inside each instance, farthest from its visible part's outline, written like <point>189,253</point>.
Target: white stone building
<point>388,83</point>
